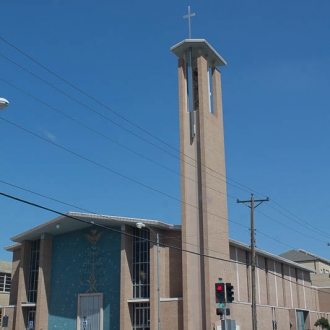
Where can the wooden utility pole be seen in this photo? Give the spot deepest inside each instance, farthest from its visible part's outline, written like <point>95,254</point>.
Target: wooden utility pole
<point>252,206</point>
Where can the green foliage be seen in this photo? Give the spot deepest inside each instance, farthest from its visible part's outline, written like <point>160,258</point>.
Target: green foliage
<point>323,323</point>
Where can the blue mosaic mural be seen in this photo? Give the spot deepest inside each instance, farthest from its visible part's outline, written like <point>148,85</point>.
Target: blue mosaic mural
<point>85,261</point>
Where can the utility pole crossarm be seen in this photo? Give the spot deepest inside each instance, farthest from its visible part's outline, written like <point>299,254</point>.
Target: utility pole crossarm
<point>255,201</point>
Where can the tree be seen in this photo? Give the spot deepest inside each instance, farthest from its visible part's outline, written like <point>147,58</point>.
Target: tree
<point>323,323</point>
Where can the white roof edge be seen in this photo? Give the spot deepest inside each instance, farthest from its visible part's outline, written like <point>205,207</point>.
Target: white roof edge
<point>273,256</point>
<point>17,237</point>
<point>315,256</point>
<point>71,215</point>
<point>12,247</point>
<point>189,40</point>
<point>179,47</point>
<point>155,223</point>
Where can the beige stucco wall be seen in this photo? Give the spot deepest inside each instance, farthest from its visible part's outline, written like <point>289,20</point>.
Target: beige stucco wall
<point>320,279</point>
<point>4,298</point>
<point>5,267</point>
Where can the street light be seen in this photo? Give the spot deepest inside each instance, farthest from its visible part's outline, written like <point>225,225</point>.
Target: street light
<point>141,225</point>
<point>3,103</point>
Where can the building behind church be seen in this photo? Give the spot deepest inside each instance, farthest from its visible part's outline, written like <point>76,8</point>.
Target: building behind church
<point>5,282</point>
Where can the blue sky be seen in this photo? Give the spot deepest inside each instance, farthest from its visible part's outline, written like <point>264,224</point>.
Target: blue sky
<point>276,90</point>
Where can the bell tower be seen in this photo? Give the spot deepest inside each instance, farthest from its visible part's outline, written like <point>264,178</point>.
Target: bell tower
<point>203,180</point>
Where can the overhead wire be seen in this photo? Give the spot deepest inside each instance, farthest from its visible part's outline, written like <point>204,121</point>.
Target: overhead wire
<point>92,223</point>
<point>112,140</point>
<point>108,168</point>
<point>308,225</point>
<point>286,226</point>
<point>92,212</point>
<point>133,180</point>
<point>243,187</point>
<point>175,238</point>
<point>107,137</point>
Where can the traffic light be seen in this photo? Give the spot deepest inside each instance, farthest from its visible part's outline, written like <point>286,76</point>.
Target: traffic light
<point>220,311</point>
<point>229,292</point>
<point>223,311</point>
<point>220,293</point>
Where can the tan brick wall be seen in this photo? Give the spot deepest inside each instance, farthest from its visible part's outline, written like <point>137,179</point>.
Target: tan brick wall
<point>15,276</point>
<point>324,299</point>
<point>287,287</point>
<point>300,290</point>
<point>190,234</point>
<point>10,312</point>
<point>153,284</point>
<point>242,279</point>
<point>171,265</point>
<point>213,188</point>
<point>282,316</point>
<point>171,312</point>
<point>201,218</point>
<point>126,290</point>
<point>261,278</point>
<point>45,261</point>
<point>22,283</point>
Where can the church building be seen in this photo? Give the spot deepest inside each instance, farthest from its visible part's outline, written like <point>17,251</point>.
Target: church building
<point>85,271</point>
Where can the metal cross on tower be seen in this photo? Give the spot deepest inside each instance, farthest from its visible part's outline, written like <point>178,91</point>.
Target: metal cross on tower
<point>189,15</point>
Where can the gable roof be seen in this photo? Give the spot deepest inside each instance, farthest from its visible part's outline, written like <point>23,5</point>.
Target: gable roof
<point>303,256</point>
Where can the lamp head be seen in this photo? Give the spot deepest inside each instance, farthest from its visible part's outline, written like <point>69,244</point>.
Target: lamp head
<point>3,103</point>
<point>140,225</point>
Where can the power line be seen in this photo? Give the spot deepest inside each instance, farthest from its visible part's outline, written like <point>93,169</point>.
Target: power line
<point>286,226</point>
<point>87,127</point>
<point>275,240</point>
<point>310,227</point>
<point>92,212</point>
<point>47,197</point>
<point>107,137</point>
<point>178,238</point>
<point>131,150</point>
<point>149,240</point>
<point>242,186</point>
<point>108,168</point>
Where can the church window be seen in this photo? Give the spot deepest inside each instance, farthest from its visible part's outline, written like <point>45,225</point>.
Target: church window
<point>33,271</point>
<point>141,316</point>
<point>5,281</point>
<point>141,263</point>
<point>210,76</point>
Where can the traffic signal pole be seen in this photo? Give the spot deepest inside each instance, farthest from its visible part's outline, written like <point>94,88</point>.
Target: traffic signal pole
<point>252,206</point>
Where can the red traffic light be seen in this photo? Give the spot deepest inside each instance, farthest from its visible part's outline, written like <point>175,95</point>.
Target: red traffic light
<point>219,287</point>
<point>220,293</point>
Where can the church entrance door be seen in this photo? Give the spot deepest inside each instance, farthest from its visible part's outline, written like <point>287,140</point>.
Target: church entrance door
<point>90,312</point>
